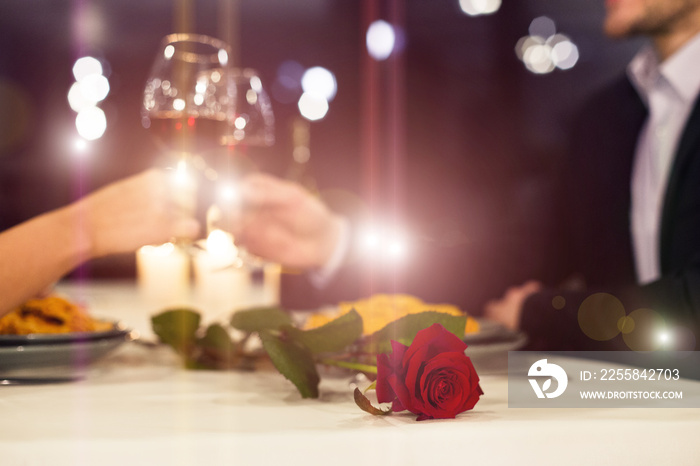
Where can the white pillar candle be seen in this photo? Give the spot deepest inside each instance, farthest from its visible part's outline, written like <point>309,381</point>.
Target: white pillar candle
<point>222,282</point>
<point>271,284</point>
<point>163,275</point>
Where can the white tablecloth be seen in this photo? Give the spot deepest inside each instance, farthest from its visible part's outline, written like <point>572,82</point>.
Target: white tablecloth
<point>139,407</point>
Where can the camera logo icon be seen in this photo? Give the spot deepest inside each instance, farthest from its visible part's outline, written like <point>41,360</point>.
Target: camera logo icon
<point>541,369</point>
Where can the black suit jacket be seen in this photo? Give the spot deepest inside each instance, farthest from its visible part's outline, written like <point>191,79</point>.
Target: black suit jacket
<point>596,241</point>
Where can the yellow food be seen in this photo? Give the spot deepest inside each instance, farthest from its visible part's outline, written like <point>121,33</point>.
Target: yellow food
<point>52,314</point>
<point>379,310</point>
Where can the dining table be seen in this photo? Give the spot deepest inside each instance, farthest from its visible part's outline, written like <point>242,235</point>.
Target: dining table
<point>138,405</point>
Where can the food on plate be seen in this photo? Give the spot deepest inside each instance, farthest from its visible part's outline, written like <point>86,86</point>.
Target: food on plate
<point>380,309</point>
<point>52,314</point>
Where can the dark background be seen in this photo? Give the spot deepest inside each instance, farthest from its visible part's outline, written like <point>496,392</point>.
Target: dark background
<point>475,146</point>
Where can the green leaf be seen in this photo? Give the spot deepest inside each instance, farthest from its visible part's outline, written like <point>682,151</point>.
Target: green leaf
<point>177,328</point>
<point>216,338</point>
<point>261,318</point>
<point>331,337</point>
<point>365,405</point>
<point>215,350</point>
<point>405,329</point>
<point>294,361</point>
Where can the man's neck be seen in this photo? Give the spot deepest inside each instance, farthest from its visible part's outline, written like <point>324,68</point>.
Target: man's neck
<point>669,42</point>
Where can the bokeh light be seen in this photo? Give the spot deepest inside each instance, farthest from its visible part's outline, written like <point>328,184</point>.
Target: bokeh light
<point>228,192</point>
<point>320,81</point>
<point>287,86</point>
<point>80,145</point>
<point>479,7</point>
<point>86,66</point>
<point>312,107</point>
<point>91,123</point>
<point>598,316</point>
<point>645,336</point>
<point>558,302</point>
<point>223,57</point>
<point>383,243</point>
<point>545,50</point>
<point>90,88</point>
<point>380,39</point>
<point>94,88</point>
<point>543,27</point>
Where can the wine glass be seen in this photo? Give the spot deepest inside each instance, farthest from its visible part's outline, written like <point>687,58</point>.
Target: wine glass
<point>252,124</point>
<point>188,102</point>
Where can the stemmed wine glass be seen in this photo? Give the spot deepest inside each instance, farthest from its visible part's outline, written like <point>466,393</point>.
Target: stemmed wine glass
<point>252,124</point>
<point>188,103</point>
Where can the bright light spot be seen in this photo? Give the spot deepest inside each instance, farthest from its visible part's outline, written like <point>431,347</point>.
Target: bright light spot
<point>479,7</point>
<point>179,105</point>
<point>320,81</point>
<point>223,57</point>
<point>312,107</point>
<point>544,50</point>
<point>381,39</point>
<point>201,86</point>
<point>664,337</point>
<point>181,172</point>
<point>220,243</point>
<point>525,43</point>
<point>169,52</point>
<point>91,123</point>
<point>256,84</point>
<point>251,97</point>
<point>538,59</point>
<point>86,66</point>
<point>240,122</point>
<point>543,27</point>
<point>76,99</point>
<point>371,240</point>
<point>198,99</point>
<point>215,77</point>
<point>228,193</point>
<point>565,55</point>
<point>397,249</point>
<point>94,88</point>
<point>80,145</point>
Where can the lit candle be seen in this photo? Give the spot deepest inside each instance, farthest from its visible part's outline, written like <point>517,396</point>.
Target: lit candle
<point>163,275</point>
<point>271,284</point>
<point>222,282</point>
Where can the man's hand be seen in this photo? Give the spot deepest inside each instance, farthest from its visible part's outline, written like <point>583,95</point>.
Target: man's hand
<point>282,222</point>
<point>507,310</point>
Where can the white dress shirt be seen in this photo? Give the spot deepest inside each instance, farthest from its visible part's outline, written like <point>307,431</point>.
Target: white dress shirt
<point>669,90</point>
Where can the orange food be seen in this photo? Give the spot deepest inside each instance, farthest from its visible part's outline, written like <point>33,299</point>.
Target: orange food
<point>380,309</point>
<point>52,314</point>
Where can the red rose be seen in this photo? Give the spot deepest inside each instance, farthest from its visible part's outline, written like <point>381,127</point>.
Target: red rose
<point>432,378</point>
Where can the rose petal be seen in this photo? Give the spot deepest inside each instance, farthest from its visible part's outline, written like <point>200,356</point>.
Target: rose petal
<point>459,383</point>
<point>437,339</point>
<point>397,354</point>
<point>401,392</point>
<point>385,393</point>
<point>414,371</point>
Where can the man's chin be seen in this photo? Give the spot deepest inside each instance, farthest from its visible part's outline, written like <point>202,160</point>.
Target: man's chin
<point>616,31</point>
